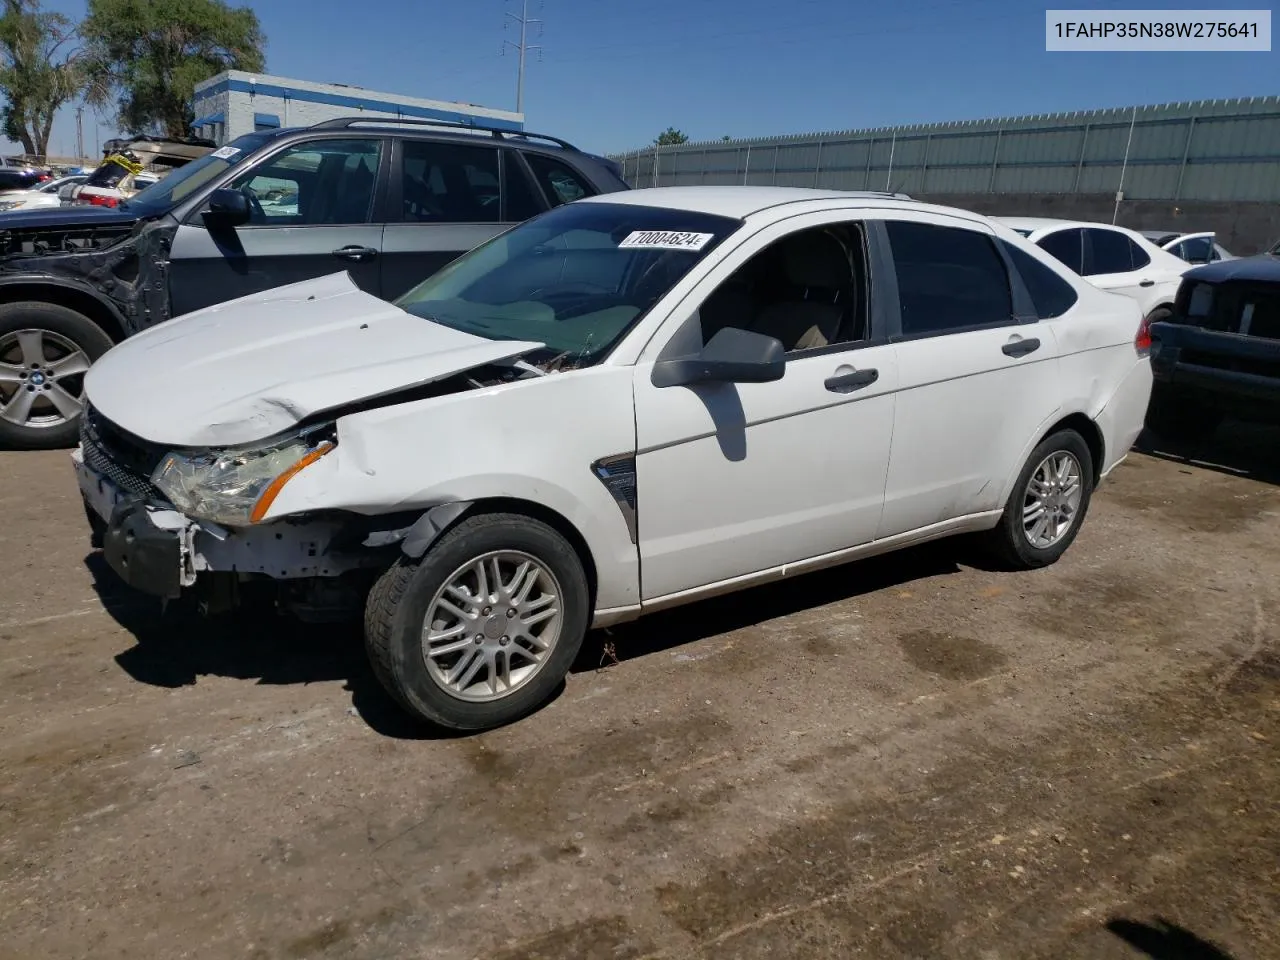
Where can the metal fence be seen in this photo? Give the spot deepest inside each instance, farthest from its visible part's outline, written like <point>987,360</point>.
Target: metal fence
<point>1204,150</point>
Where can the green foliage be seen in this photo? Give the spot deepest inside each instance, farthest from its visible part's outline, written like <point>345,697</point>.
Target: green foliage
<point>40,70</point>
<point>670,137</point>
<point>148,56</point>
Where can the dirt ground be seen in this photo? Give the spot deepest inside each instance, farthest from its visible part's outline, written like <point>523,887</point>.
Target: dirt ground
<point>908,757</point>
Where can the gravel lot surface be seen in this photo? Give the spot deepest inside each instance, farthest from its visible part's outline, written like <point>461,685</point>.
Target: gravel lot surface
<point>907,757</point>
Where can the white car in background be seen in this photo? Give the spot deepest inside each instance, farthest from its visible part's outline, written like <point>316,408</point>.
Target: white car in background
<point>625,404</point>
<point>1114,258</point>
<point>1191,247</point>
<point>45,195</point>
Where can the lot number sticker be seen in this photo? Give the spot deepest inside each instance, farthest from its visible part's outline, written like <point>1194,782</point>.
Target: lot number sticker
<point>665,240</point>
<point>226,153</point>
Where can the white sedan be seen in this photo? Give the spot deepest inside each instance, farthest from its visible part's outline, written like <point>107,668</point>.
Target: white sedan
<point>1113,258</point>
<point>628,403</point>
<point>45,195</point>
<point>1191,247</point>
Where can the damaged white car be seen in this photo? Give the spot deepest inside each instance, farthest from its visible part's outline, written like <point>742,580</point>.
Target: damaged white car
<point>625,404</point>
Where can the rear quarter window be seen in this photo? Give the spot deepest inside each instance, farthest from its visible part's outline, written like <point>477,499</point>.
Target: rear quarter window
<point>1051,295</point>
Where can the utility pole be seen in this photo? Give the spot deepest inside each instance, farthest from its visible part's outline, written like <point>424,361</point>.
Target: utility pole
<point>522,47</point>
<point>80,134</point>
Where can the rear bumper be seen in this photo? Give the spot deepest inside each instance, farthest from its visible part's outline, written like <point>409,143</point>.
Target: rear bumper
<point>1237,374</point>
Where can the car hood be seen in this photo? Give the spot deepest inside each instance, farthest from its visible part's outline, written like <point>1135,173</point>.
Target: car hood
<point>254,367</point>
<point>45,217</point>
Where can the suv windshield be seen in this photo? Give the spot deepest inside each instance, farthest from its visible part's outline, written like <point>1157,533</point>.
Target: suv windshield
<point>177,186</point>
<point>576,278</point>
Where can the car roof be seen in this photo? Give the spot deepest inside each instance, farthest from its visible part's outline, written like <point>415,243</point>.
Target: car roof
<point>740,202</point>
<point>1043,223</point>
<point>1264,268</point>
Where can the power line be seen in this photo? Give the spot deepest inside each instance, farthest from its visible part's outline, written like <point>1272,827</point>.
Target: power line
<point>522,47</point>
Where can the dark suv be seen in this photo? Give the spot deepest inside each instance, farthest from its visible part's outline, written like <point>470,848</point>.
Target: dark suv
<point>389,201</point>
<point>1218,355</point>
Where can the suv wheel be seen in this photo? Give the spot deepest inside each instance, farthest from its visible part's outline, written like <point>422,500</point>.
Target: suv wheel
<point>484,628</point>
<point>45,352</point>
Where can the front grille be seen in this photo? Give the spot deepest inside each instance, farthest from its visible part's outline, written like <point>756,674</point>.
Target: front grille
<point>125,460</point>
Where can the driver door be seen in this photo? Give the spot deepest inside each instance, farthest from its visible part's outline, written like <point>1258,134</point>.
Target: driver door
<point>738,478</point>
<point>313,213</point>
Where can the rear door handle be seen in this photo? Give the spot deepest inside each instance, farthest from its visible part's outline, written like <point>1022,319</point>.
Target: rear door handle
<point>853,380</point>
<point>358,254</point>
<point>1147,283</point>
<point>1020,348</point>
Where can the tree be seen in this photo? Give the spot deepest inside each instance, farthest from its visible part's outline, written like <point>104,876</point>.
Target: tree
<point>149,55</point>
<point>670,137</point>
<point>40,70</point>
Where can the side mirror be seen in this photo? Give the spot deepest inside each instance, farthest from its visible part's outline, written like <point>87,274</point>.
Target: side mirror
<point>227,208</point>
<point>732,356</point>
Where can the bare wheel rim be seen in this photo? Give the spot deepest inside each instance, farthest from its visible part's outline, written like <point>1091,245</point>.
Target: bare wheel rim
<point>1051,502</point>
<point>41,378</point>
<point>493,625</point>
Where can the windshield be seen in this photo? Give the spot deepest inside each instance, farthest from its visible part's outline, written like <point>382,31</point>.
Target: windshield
<point>175,187</point>
<point>576,278</point>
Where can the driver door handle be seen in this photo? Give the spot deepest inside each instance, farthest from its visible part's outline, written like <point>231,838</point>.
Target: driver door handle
<point>1147,283</point>
<point>853,380</point>
<point>358,254</point>
<point>1020,348</point>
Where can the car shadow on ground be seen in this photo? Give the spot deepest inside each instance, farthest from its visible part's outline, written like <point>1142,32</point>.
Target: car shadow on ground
<point>1163,940</point>
<point>175,645</point>
<point>1238,449</point>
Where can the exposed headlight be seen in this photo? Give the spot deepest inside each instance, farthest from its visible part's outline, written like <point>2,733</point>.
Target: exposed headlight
<point>236,487</point>
<point>9,205</point>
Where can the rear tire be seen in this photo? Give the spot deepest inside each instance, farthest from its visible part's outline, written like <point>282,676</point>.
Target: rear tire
<point>45,351</point>
<point>482,673</point>
<point>1175,417</point>
<point>1013,543</point>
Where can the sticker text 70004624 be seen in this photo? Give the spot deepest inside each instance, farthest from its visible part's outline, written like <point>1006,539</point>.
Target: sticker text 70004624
<point>664,240</point>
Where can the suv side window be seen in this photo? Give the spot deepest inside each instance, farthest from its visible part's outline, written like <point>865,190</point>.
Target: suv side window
<point>1051,295</point>
<point>558,180</point>
<point>808,290</point>
<point>1066,246</point>
<point>449,183</point>
<point>1110,251</point>
<point>520,200</point>
<point>949,278</point>
<point>314,182</point>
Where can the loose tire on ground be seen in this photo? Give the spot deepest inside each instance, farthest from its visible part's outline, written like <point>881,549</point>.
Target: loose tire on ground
<point>62,325</point>
<point>396,611</point>
<point>1009,541</point>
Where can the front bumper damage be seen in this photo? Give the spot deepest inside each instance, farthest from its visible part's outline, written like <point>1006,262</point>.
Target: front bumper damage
<point>163,553</point>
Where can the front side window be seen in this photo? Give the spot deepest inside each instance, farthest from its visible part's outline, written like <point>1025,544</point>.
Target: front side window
<point>807,290</point>
<point>558,180</point>
<point>450,183</point>
<point>949,278</point>
<point>575,279</point>
<point>1196,250</point>
<point>1065,246</point>
<point>316,182</point>
<point>1051,295</point>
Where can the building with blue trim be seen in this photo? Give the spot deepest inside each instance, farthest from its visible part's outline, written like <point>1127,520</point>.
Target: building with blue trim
<point>235,103</point>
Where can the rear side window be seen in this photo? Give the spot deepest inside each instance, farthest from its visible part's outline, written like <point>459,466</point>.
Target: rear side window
<point>948,278</point>
<point>1109,251</point>
<point>1050,294</point>
<point>558,180</point>
<point>1066,246</point>
<point>520,201</point>
<point>449,183</point>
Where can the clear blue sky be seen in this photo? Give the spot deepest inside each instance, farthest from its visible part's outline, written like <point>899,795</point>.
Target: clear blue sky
<point>614,74</point>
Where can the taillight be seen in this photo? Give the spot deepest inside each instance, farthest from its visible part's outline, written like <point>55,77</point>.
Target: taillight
<point>100,201</point>
<point>1143,340</point>
<point>43,177</point>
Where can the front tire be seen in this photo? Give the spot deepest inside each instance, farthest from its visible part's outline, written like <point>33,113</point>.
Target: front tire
<point>483,629</point>
<point>1048,504</point>
<point>45,351</point>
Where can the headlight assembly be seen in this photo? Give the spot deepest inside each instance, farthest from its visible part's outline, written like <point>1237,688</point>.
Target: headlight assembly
<point>236,487</point>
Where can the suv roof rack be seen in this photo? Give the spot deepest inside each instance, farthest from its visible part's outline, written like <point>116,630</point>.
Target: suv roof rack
<point>342,123</point>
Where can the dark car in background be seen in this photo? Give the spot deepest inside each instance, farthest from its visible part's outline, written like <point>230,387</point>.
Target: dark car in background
<point>16,174</point>
<point>1218,355</point>
<point>388,201</point>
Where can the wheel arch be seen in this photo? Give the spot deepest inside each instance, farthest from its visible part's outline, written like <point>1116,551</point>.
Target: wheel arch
<point>69,295</point>
<point>439,520</point>
<point>1089,432</point>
